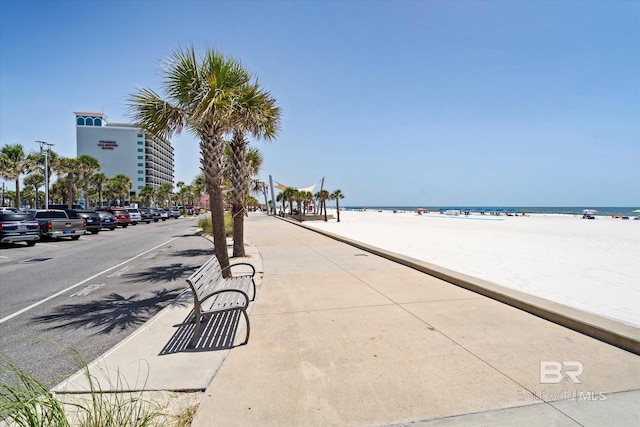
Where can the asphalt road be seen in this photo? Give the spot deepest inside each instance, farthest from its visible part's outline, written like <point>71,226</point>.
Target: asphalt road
<point>64,303</point>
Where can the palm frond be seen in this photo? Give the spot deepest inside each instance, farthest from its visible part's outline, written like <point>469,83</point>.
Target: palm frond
<point>155,115</point>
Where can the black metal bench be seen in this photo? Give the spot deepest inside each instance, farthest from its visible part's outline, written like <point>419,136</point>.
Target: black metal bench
<point>213,293</point>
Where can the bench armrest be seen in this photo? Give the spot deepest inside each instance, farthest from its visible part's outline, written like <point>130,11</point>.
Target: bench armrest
<point>253,273</point>
<point>222,291</point>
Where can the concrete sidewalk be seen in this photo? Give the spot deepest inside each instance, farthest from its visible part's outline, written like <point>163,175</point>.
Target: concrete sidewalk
<point>340,336</point>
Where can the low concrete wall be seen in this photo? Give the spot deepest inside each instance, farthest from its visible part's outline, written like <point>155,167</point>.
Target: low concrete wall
<point>309,217</point>
<point>610,331</point>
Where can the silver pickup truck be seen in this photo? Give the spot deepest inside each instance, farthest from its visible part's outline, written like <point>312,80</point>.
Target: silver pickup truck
<point>56,223</point>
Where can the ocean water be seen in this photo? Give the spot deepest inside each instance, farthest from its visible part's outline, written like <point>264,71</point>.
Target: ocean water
<point>567,210</point>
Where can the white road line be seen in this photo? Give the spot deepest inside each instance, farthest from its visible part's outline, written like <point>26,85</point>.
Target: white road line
<point>17,313</point>
<point>86,291</point>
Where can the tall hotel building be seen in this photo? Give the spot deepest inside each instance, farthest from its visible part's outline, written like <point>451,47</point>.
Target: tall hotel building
<point>123,148</point>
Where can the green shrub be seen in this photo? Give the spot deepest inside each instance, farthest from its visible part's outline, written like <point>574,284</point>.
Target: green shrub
<point>205,224</point>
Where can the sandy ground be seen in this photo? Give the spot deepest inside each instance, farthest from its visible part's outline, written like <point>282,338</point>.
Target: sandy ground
<point>591,265</point>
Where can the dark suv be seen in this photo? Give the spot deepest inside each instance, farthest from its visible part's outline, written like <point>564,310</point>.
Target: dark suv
<point>146,215</point>
<point>122,216</point>
<point>155,214</point>
<point>18,227</point>
<point>94,223</point>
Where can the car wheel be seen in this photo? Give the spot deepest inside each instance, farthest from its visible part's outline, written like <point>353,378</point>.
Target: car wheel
<point>95,232</point>
<point>31,243</point>
<point>125,225</point>
<point>75,237</point>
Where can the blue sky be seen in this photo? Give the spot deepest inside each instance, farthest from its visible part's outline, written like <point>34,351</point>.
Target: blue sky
<point>432,103</point>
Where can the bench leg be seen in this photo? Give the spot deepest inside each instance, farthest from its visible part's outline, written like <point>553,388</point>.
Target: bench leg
<point>246,318</point>
<point>196,331</point>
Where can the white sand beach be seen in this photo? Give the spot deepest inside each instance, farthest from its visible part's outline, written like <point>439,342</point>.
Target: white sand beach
<point>591,265</point>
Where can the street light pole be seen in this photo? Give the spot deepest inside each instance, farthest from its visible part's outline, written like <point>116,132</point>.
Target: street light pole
<point>48,146</point>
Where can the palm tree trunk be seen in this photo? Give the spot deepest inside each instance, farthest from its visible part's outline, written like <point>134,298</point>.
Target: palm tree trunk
<point>17,200</point>
<point>212,160</point>
<point>217,220</point>
<point>240,184</point>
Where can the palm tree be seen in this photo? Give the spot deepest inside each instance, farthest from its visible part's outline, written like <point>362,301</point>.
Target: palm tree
<point>162,193</point>
<point>198,188</point>
<point>299,196</point>
<point>58,191</point>
<point>87,166</point>
<point>118,187</point>
<point>181,185</point>
<point>238,195</point>
<point>35,181</point>
<point>97,181</point>
<point>70,166</point>
<point>281,198</point>
<point>201,97</point>
<point>322,197</point>
<point>13,164</point>
<point>337,195</point>
<point>259,187</point>
<point>255,114</point>
<point>288,196</point>
<point>29,197</point>
<point>146,194</point>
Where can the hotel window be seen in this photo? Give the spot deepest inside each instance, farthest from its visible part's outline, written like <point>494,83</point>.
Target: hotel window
<point>140,157</point>
<point>140,142</point>
<point>140,165</point>
<point>140,136</point>
<point>140,179</point>
<point>140,150</point>
<point>89,121</point>
<point>97,122</point>
<point>80,121</point>
<point>140,172</point>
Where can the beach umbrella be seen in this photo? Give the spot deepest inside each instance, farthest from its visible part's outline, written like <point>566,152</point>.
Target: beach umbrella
<point>637,210</point>
<point>590,211</point>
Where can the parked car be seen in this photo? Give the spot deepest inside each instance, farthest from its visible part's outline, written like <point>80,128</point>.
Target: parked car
<point>18,227</point>
<point>155,213</point>
<point>122,216</point>
<point>146,215</point>
<point>135,215</point>
<point>94,224</point>
<point>164,215</point>
<point>175,213</point>
<point>56,223</point>
<point>107,220</point>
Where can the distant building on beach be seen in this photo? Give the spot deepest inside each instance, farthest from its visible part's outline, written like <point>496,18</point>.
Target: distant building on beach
<point>123,148</point>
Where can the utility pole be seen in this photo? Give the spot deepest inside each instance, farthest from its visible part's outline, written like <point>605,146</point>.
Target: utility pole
<point>47,147</point>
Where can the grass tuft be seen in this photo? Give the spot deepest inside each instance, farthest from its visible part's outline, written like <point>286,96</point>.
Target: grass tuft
<point>24,401</point>
<point>205,224</point>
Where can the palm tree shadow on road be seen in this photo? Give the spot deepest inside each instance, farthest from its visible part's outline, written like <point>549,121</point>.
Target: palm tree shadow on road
<point>115,312</point>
